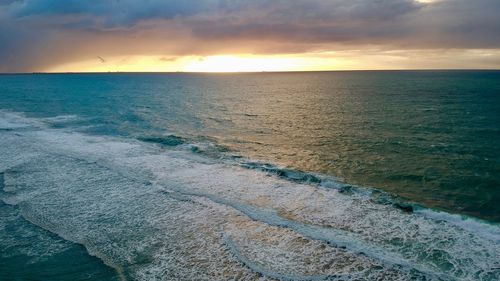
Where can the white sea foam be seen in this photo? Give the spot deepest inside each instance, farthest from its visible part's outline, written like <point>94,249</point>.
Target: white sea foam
<point>11,120</point>
<point>63,118</point>
<point>156,214</point>
<point>489,231</point>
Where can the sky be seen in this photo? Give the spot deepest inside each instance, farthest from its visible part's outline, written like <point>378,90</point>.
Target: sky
<point>237,35</point>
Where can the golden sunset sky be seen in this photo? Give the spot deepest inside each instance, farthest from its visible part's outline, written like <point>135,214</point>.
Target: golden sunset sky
<point>233,36</point>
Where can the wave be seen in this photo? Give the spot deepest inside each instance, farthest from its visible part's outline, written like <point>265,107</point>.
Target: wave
<point>289,174</point>
<point>169,212</point>
<point>170,140</point>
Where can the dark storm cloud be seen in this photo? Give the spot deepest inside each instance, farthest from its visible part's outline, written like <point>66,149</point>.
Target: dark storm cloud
<point>446,23</point>
<point>126,13</point>
<point>39,33</point>
<point>108,12</point>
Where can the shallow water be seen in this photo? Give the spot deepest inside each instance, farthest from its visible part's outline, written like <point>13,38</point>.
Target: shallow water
<point>160,177</point>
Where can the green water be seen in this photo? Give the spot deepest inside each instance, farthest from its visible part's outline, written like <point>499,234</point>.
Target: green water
<point>220,176</point>
<point>432,137</point>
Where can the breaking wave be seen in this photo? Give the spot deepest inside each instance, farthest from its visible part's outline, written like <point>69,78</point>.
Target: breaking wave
<point>160,208</point>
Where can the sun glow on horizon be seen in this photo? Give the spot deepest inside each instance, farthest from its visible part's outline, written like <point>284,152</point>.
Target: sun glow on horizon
<point>231,63</point>
<point>342,60</point>
<point>212,64</point>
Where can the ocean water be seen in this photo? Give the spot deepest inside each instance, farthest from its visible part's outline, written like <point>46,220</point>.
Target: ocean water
<point>259,176</point>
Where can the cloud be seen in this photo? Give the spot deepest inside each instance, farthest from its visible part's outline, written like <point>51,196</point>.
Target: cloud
<point>442,24</point>
<point>126,13</point>
<point>40,33</point>
<point>108,13</point>
<point>167,59</point>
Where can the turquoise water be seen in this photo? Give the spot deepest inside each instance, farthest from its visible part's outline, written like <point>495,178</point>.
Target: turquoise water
<point>291,176</point>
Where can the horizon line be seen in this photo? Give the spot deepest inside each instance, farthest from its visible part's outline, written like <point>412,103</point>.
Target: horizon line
<point>246,72</point>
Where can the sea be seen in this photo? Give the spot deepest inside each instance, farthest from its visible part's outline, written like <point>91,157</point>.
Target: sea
<point>355,175</point>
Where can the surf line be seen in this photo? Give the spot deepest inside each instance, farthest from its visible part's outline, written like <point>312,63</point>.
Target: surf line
<point>331,236</point>
<point>288,277</point>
